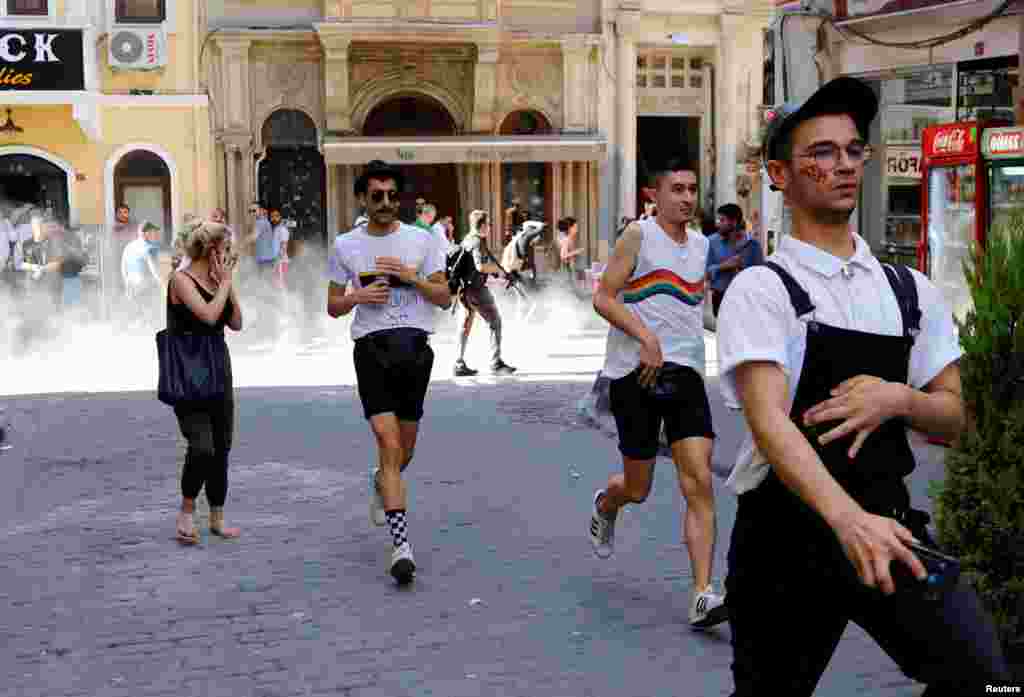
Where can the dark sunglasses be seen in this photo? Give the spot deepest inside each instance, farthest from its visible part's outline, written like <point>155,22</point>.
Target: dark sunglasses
<point>379,195</point>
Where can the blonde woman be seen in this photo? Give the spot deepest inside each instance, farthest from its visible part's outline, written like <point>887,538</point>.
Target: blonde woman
<point>202,298</point>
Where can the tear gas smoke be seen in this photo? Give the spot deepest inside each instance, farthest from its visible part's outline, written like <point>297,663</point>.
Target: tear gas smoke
<point>105,342</point>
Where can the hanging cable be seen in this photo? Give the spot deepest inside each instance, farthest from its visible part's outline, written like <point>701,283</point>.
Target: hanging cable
<point>966,30</point>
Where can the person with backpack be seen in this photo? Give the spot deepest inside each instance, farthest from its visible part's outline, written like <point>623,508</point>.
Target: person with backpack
<point>833,356</point>
<point>517,255</point>
<point>475,296</point>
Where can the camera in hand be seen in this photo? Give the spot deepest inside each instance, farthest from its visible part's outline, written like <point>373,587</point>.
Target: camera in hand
<point>368,278</point>
<point>943,572</point>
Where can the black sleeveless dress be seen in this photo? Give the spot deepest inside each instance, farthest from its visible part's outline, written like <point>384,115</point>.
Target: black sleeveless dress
<point>181,319</point>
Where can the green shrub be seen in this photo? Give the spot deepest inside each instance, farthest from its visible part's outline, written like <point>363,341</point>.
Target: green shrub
<point>980,506</point>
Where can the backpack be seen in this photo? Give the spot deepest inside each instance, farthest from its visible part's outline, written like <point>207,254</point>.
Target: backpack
<point>510,259</point>
<point>460,270</point>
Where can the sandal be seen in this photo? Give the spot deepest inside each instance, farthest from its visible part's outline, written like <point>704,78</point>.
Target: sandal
<point>186,532</point>
<point>217,525</point>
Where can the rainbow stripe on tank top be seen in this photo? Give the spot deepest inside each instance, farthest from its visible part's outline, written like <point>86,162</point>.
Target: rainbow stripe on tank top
<point>663,281</point>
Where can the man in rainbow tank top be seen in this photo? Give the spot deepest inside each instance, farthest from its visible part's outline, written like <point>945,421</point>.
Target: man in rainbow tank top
<point>652,294</point>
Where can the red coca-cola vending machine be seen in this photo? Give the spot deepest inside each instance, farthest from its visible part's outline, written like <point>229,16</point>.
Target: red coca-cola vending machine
<point>954,206</point>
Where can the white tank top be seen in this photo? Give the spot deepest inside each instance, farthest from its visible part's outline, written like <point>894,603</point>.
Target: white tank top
<point>666,292</point>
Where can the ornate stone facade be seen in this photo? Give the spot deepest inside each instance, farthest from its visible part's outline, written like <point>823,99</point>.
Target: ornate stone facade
<point>377,72</point>
<point>531,80</point>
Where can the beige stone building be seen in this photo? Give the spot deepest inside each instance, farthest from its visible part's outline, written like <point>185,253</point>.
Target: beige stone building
<point>559,104</point>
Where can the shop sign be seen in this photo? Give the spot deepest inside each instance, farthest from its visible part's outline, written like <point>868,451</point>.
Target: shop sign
<point>952,140</point>
<point>1004,142</point>
<point>44,59</point>
<point>903,163</point>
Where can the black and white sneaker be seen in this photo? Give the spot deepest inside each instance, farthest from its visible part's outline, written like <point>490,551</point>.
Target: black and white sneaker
<point>708,609</point>
<point>602,530</point>
<point>502,368</point>
<point>403,568</point>
<point>463,371</point>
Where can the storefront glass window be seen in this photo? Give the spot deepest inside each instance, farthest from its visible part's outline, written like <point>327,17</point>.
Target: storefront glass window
<point>911,100</point>
<point>985,89</point>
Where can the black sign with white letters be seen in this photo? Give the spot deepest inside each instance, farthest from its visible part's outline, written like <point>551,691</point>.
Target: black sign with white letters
<point>41,59</point>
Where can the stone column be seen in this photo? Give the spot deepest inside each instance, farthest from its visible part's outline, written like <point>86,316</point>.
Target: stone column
<point>575,84</point>
<point>333,198</point>
<point>598,247</point>
<point>236,93</point>
<point>337,107</point>
<point>581,185</point>
<point>556,193</point>
<point>237,148</point>
<point>496,203</point>
<point>568,202</point>
<point>347,202</point>
<point>728,110</point>
<point>626,26</point>
<point>606,114</point>
<point>485,81</point>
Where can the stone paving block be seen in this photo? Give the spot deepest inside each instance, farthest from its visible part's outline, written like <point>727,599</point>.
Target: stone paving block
<point>303,605</point>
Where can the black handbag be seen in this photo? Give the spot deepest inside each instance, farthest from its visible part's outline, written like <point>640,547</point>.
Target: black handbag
<point>192,367</point>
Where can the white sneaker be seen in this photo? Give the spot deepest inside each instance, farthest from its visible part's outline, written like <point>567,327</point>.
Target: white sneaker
<point>377,516</point>
<point>403,568</point>
<point>602,531</point>
<point>708,609</point>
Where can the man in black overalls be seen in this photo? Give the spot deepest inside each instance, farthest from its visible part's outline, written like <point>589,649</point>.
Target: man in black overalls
<point>832,356</point>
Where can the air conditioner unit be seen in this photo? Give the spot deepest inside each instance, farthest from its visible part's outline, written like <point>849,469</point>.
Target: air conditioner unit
<point>138,48</point>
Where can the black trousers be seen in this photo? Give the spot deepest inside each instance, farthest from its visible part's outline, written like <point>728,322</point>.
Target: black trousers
<point>791,593</point>
<point>209,431</point>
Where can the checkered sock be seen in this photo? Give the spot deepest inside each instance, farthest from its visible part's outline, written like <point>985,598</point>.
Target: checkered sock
<point>396,519</point>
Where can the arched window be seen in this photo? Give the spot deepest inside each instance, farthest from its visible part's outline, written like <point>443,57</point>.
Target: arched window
<point>292,177</point>
<point>289,128</point>
<point>142,181</point>
<point>525,122</point>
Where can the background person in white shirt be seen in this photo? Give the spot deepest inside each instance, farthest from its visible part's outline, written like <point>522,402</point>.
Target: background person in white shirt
<point>831,357</point>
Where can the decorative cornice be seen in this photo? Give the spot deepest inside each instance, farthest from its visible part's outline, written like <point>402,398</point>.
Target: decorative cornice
<point>419,31</point>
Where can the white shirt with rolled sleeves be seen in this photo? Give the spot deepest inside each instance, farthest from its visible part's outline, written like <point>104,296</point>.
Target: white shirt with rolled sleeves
<point>357,252</point>
<point>757,322</point>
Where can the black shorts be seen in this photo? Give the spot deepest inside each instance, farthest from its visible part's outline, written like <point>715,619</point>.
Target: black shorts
<point>679,400</point>
<point>393,371</point>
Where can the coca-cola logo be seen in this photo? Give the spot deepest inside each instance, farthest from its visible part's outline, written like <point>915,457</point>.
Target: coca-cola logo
<point>952,140</point>
<point>1005,142</point>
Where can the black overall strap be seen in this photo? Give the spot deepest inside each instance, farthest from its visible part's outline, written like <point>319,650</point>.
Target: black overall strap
<point>798,297</point>
<point>905,288</point>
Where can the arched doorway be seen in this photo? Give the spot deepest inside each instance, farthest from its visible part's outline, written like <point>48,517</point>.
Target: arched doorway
<point>529,183</point>
<point>292,174</point>
<point>29,179</point>
<point>142,181</point>
<point>418,115</point>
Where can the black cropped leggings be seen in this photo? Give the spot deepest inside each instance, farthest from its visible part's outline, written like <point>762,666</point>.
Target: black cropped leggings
<point>209,431</point>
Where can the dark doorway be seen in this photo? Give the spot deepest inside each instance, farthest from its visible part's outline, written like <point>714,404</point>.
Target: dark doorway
<point>292,177</point>
<point>33,180</point>
<point>414,116</point>
<point>527,182</point>
<point>660,138</point>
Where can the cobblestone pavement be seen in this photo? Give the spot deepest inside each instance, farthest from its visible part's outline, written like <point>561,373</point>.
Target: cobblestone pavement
<point>509,600</point>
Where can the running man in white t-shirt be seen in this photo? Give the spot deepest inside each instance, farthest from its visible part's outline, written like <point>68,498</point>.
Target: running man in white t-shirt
<point>652,294</point>
<point>398,284</point>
